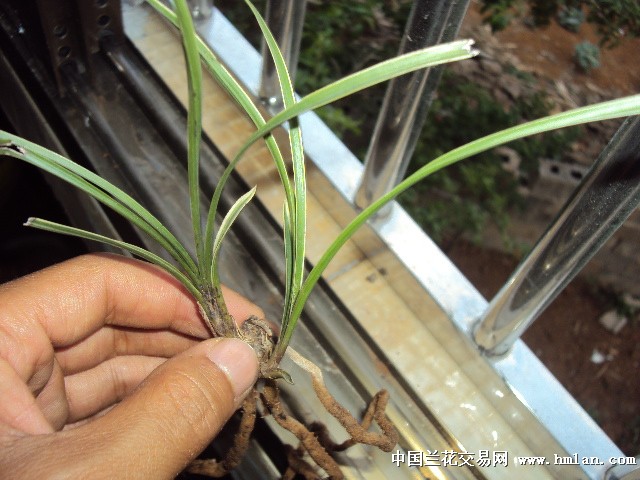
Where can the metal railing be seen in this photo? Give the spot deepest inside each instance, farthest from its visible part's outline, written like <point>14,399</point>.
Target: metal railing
<point>580,230</point>
<point>407,100</point>
<point>602,202</point>
<point>200,9</point>
<point>285,19</point>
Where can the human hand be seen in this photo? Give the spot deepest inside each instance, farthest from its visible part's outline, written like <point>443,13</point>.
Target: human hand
<point>86,389</point>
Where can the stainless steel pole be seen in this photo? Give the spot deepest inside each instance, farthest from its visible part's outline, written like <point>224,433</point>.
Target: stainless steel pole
<point>200,9</point>
<point>407,100</point>
<point>601,203</point>
<point>285,19</point>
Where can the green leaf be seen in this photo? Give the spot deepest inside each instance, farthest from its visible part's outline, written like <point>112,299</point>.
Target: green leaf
<point>245,101</point>
<point>219,303</point>
<point>135,250</point>
<point>228,220</point>
<point>622,107</point>
<point>381,72</point>
<point>101,190</point>
<point>194,120</point>
<point>295,234</point>
<point>288,259</point>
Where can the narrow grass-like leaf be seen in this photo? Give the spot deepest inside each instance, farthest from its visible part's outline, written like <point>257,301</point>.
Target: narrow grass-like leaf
<point>228,220</point>
<point>297,230</point>
<point>194,121</point>
<point>225,322</point>
<point>381,72</point>
<point>288,258</point>
<point>101,190</point>
<point>135,250</point>
<point>227,81</point>
<point>622,107</point>
<point>239,95</point>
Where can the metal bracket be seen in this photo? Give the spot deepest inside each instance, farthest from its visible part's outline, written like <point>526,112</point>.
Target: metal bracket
<point>73,30</point>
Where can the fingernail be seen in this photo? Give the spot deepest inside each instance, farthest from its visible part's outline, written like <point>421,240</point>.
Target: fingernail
<point>238,361</point>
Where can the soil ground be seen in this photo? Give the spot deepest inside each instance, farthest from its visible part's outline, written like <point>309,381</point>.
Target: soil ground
<point>568,333</point>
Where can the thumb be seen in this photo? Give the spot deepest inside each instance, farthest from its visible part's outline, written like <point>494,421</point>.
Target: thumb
<point>176,411</point>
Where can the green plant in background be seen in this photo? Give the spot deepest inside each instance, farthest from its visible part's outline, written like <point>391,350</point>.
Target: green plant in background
<point>587,56</point>
<point>615,20</point>
<point>370,28</point>
<point>199,274</point>
<point>499,13</point>
<point>467,196</point>
<point>571,17</point>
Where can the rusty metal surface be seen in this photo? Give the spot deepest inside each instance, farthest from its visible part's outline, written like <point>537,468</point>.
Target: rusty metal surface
<point>97,19</point>
<point>73,30</point>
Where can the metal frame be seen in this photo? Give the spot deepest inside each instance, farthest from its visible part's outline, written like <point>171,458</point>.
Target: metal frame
<point>285,19</point>
<point>73,30</point>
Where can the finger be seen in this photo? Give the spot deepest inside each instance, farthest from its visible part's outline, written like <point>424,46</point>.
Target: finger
<point>92,391</point>
<point>52,399</point>
<point>110,342</point>
<point>79,296</point>
<point>239,307</point>
<point>68,302</point>
<point>18,408</point>
<point>156,431</point>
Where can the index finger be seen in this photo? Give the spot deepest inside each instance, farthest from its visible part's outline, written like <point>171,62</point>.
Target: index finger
<point>73,299</point>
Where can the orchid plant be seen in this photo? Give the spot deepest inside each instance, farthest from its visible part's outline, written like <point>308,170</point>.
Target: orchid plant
<point>199,273</point>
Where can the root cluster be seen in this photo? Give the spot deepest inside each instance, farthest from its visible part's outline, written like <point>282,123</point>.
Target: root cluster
<point>314,440</point>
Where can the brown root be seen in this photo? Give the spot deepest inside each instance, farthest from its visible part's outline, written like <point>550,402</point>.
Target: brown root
<point>297,466</point>
<point>315,441</point>
<point>385,441</point>
<point>271,400</point>
<point>359,432</point>
<point>214,468</point>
